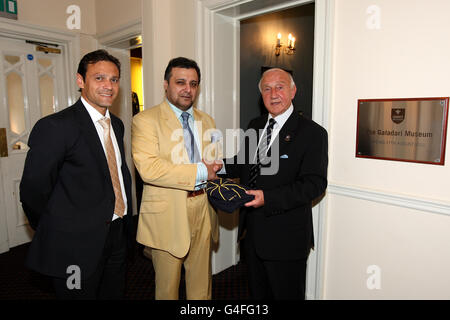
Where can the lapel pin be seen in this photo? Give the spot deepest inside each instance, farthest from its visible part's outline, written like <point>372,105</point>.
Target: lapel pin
<point>287,138</point>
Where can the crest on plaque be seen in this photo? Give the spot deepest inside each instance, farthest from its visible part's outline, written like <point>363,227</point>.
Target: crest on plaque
<point>398,115</point>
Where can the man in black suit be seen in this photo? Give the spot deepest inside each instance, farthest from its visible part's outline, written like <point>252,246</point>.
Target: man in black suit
<point>76,189</point>
<point>279,220</point>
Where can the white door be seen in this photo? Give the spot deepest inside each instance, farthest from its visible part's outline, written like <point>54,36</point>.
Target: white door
<point>30,88</point>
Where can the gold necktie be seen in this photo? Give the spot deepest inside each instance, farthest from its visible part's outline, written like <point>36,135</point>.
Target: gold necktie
<point>119,207</point>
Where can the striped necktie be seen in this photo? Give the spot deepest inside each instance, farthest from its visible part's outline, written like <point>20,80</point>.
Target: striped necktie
<point>189,141</point>
<point>262,158</point>
<point>119,207</point>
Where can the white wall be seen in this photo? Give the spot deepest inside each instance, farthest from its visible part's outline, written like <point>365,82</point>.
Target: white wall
<point>52,13</point>
<point>97,17</point>
<point>112,14</point>
<point>410,247</point>
<point>385,213</point>
<point>168,31</point>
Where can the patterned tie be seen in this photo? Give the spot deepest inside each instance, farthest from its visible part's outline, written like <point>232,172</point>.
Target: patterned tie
<point>262,157</point>
<point>189,140</point>
<point>119,206</point>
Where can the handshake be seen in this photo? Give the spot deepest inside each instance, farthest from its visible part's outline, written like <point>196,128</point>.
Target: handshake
<point>213,167</point>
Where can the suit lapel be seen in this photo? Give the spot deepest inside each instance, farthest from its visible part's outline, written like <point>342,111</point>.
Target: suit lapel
<point>118,133</point>
<point>169,117</point>
<point>258,126</point>
<point>171,125</point>
<point>287,133</point>
<point>91,137</point>
<point>201,127</point>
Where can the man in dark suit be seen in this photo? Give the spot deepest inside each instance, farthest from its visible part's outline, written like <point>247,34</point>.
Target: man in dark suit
<point>279,220</point>
<point>76,189</point>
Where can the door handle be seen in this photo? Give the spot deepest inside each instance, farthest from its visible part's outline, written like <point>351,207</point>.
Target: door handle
<point>3,143</point>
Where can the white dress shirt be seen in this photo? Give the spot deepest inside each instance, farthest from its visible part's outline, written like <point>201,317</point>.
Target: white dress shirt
<point>96,116</point>
<point>202,171</point>
<point>280,121</point>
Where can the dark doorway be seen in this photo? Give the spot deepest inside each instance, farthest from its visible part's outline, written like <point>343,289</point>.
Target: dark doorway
<point>258,39</point>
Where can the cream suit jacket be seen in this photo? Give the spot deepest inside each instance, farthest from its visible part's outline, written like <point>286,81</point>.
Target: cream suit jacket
<point>162,161</point>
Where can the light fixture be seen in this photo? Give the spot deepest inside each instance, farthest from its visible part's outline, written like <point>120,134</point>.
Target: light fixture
<point>136,41</point>
<point>289,48</point>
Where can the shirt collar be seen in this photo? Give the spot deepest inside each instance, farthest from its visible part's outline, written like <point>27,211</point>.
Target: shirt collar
<point>282,118</point>
<point>178,111</point>
<point>95,115</point>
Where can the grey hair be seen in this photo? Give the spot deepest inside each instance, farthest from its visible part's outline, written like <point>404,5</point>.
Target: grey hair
<point>275,69</point>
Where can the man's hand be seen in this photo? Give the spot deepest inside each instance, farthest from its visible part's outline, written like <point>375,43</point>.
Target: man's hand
<point>259,198</point>
<point>213,167</point>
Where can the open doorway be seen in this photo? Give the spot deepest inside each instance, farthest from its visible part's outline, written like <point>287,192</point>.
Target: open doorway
<point>137,100</point>
<point>136,80</point>
<point>264,44</point>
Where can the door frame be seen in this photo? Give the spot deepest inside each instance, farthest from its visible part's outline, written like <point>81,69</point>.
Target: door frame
<point>114,39</point>
<point>210,10</point>
<point>70,44</point>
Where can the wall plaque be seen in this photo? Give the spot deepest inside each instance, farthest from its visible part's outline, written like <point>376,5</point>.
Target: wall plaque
<point>411,130</point>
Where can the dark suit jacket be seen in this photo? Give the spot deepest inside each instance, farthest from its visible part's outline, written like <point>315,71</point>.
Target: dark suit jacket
<point>282,229</point>
<point>67,193</point>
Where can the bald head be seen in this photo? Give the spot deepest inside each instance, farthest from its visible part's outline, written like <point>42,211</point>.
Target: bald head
<point>277,90</point>
<point>276,70</point>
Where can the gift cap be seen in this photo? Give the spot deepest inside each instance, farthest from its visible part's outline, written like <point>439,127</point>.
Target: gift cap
<point>226,195</point>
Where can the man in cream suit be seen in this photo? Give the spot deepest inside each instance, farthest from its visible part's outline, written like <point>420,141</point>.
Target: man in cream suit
<point>176,219</point>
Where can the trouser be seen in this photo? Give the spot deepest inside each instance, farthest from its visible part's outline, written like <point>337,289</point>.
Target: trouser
<point>197,262</point>
<point>274,279</point>
<point>108,280</point>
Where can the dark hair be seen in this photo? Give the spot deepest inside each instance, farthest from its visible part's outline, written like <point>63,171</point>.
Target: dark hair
<point>94,57</point>
<point>181,62</point>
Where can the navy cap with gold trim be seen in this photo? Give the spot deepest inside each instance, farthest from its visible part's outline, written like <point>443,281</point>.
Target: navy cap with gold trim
<point>226,195</point>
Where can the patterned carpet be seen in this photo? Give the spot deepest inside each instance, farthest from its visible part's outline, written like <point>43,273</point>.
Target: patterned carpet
<point>19,283</point>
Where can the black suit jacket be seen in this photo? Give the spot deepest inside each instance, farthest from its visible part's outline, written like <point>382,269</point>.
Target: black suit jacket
<point>282,229</point>
<point>67,193</point>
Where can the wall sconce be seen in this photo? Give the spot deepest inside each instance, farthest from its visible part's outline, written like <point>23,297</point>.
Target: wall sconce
<point>289,49</point>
